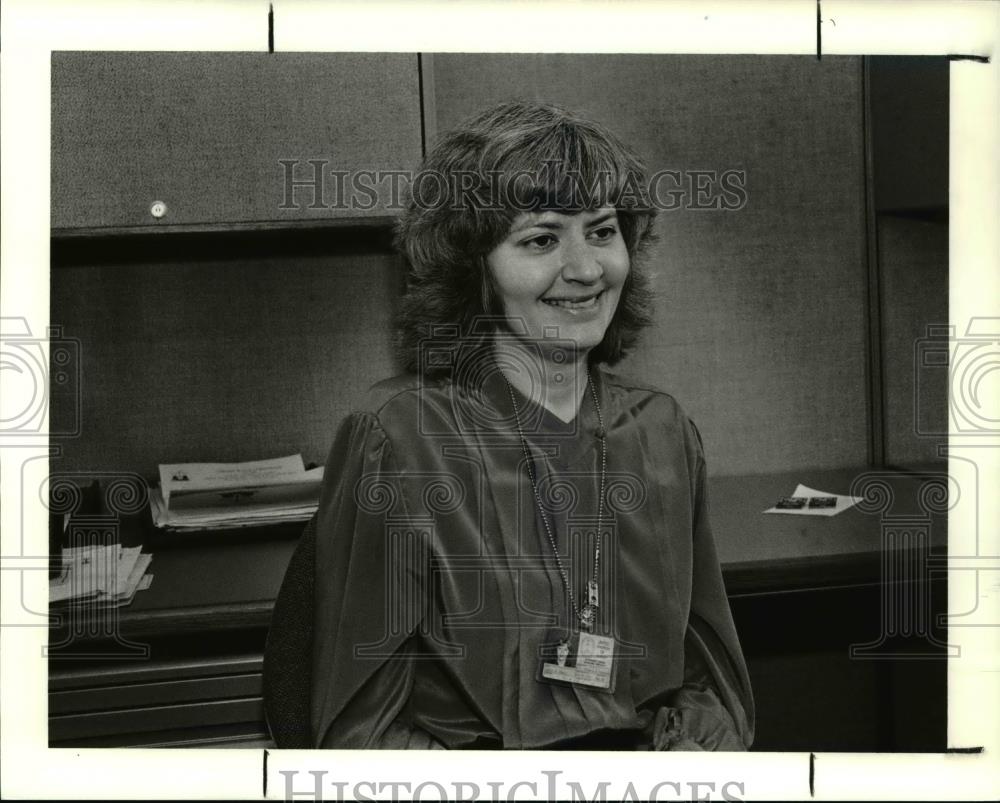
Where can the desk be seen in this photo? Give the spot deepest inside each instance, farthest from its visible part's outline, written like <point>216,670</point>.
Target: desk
<point>778,551</point>
<point>805,591</point>
<point>204,585</point>
<point>204,619</point>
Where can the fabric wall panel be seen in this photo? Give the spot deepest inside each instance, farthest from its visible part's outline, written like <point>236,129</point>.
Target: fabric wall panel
<point>913,257</point>
<point>760,327</point>
<point>222,360</point>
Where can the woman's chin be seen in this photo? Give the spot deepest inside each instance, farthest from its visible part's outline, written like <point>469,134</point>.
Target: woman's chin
<point>585,336</point>
<point>566,341</point>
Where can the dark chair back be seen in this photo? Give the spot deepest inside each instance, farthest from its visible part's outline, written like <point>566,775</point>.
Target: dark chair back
<point>288,651</point>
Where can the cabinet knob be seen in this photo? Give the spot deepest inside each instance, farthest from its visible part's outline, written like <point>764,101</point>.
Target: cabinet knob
<point>158,209</point>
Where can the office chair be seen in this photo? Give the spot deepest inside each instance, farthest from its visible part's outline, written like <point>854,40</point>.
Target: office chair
<point>288,650</point>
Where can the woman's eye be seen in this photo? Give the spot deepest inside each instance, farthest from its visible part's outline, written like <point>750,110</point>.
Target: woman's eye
<point>541,241</point>
<point>604,233</point>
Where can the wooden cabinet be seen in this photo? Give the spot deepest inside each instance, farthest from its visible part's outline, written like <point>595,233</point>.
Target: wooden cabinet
<point>206,134</point>
<point>211,701</point>
<point>185,665</point>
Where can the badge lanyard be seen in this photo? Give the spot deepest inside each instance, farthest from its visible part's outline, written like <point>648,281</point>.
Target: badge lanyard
<point>582,658</point>
<point>587,615</point>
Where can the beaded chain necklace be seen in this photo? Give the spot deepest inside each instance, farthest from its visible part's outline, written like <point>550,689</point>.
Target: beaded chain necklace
<point>588,613</point>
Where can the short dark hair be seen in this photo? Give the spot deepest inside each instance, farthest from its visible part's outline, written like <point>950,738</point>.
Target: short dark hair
<point>512,158</point>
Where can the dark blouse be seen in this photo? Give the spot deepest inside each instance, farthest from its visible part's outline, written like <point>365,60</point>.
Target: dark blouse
<point>436,584</point>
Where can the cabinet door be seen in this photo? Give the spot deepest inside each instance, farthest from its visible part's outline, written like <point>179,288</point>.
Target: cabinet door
<point>908,103</point>
<point>206,134</point>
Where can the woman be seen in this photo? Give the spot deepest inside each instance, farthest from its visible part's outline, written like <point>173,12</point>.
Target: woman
<point>464,598</point>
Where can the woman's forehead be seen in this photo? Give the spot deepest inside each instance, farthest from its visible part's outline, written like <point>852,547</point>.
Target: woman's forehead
<point>558,218</point>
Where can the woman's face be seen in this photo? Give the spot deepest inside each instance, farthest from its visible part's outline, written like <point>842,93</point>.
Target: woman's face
<point>561,274</point>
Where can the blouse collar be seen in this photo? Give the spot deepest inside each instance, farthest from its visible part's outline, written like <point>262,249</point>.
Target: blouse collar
<point>535,418</point>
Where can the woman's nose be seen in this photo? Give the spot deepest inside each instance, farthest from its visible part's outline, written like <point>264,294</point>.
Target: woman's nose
<point>580,263</point>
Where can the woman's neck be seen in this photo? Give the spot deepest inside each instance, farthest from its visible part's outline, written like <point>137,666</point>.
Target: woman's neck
<point>562,384</point>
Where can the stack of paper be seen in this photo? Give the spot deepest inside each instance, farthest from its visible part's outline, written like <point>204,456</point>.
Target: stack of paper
<point>109,575</point>
<point>207,496</point>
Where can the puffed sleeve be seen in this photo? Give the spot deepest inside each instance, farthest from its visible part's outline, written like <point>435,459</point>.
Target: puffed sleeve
<point>713,709</point>
<point>370,598</point>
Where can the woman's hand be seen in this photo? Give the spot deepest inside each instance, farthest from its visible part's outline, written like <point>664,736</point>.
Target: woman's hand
<point>668,732</point>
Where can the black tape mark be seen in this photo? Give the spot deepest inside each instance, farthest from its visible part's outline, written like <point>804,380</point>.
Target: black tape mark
<point>975,750</point>
<point>270,27</point>
<point>812,775</point>
<point>423,115</point>
<point>965,57</point>
<point>265,773</point>
<point>819,30</point>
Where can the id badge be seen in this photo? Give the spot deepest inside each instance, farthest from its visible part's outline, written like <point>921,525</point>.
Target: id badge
<point>585,660</point>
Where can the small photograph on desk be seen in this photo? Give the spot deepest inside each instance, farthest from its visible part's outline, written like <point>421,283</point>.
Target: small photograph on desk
<point>791,503</point>
<point>808,501</point>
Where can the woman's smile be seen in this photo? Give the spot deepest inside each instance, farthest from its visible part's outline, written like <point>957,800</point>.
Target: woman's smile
<point>577,305</point>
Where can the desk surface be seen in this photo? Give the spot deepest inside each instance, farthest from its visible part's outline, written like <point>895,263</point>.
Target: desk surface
<point>224,583</point>
<point>761,551</point>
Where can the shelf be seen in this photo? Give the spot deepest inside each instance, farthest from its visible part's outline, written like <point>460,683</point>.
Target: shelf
<point>127,247</point>
<point>291,226</point>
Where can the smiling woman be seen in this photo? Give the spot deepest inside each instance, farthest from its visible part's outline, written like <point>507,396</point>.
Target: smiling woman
<point>512,545</point>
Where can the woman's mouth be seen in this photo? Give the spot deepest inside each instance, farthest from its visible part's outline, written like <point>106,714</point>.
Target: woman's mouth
<point>582,303</point>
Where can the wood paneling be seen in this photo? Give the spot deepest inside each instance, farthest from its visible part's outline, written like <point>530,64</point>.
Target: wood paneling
<point>141,695</point>
<point>205,133</point>
<point>760,329</point>
<point>193,716</point>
